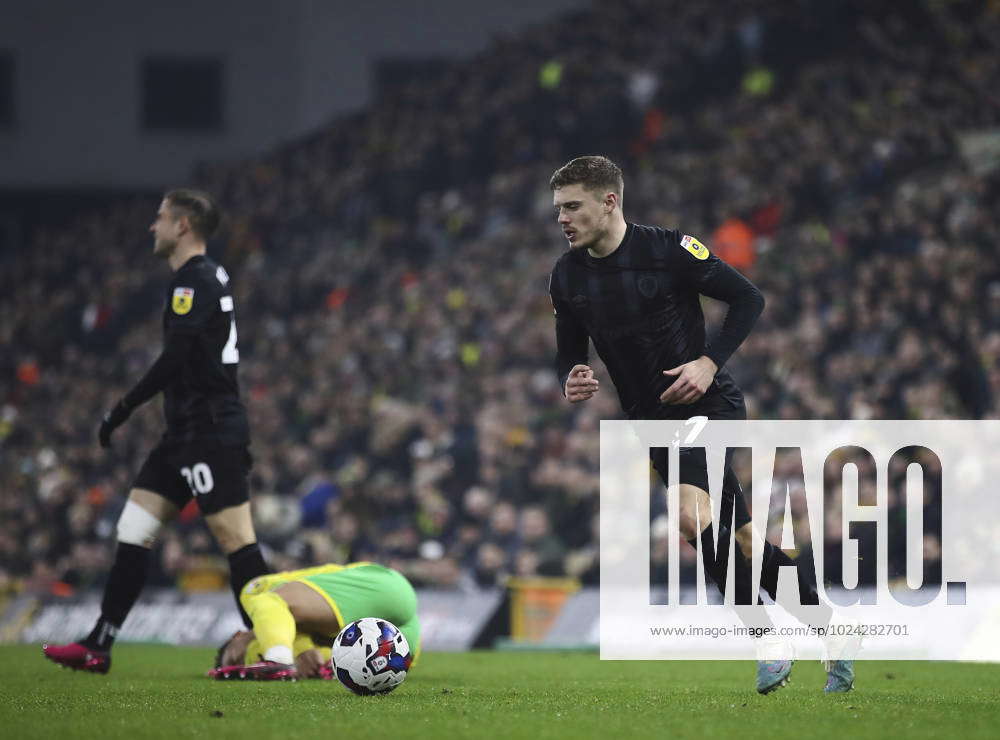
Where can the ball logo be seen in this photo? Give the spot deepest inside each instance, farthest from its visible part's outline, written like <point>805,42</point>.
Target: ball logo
<point>351,635</point>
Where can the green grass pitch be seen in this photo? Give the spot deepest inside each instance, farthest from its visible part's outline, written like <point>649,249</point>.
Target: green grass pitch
<point>160,692</point>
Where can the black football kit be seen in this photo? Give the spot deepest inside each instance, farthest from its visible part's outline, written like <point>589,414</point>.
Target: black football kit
<point>203,452</point>
<point>640,305</point>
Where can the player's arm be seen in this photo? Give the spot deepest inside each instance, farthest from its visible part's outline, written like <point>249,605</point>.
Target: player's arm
<point>572,344</point>
<point>712,277</point>
<point>189,311</point>
<point>746,303</point>
<point>175,348</point>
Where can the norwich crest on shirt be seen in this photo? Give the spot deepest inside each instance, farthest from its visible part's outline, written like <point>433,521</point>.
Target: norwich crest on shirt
<point>182,300</point>
<point>254,587</point>
<point>695,247</point>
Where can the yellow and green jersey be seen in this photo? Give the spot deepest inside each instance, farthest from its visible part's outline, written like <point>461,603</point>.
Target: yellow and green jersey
<point>353,591</point>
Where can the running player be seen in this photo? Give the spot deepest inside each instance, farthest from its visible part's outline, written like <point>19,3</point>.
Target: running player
<point>634,290</point>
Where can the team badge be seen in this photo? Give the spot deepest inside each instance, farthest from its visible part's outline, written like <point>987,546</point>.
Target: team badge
<point>695,247</point>
<point>648,286</point>
<point>182,301</point>
<point>254,587</point>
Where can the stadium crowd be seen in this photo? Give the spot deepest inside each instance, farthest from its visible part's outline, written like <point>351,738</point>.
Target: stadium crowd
<point>390,272</point>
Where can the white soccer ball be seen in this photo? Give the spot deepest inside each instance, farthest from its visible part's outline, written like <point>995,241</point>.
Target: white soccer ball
<point>371,656</point>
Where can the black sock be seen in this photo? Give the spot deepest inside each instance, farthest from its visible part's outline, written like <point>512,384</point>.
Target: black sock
<point>743,571</point>
<point>774,558</point>
<point>244,565</point>
<point>125,582</point>
<point>717,566</point>
<point>757,619</point>
<point>102,637</point>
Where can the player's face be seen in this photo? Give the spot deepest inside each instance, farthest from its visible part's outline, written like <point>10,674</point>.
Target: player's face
<point>165,230</point>
<point>583,215</point>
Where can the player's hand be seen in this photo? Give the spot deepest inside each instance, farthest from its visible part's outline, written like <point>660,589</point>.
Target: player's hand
<point>111,421</point>
<point>581,385</point>
<point>693,379</point>
<point>309,663</point>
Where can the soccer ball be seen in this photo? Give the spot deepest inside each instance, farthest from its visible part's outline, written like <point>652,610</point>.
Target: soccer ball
<point>371,656</point>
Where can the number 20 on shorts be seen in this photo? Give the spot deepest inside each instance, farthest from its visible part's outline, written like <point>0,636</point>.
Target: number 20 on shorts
<point>199,477</point>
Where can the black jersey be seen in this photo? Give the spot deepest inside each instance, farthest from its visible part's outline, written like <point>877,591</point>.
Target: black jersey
<point>640,305</point>
<point>202,399</point>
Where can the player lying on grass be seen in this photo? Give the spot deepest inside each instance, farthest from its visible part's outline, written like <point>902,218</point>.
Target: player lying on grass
<point>297,613</point>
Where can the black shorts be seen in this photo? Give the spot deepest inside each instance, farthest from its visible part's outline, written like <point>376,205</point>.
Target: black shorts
<point>215,475</point>
<point>694,469</point>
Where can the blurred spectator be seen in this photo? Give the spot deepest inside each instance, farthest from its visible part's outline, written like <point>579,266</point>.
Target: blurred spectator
<point>536,538</point>
<point>396,337</point>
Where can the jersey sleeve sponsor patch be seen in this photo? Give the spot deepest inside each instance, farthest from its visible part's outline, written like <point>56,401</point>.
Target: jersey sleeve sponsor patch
<point>254,587</point>
<point>695,247</point>
<point>182,300</point>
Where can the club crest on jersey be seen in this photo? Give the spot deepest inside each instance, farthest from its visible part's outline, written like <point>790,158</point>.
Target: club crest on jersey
<point>695,247</point>
<point>182,300</point>
<point>254,587</point>
<point>648,286</point>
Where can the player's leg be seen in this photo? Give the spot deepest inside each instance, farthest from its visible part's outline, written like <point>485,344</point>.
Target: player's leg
<point>774,659</point>
<point>273,625</point>
<point>696,525</point>
<point>277,617</point>
<point>239,660</point>
<point>311,660</point>
<point>775,656</point>
<point>411,631</point>
<point>139,525</point>
<point>808,608</point>
<point>696,522</point>
<point>233,530</point>
<point>243,648</point>
<point>219,478</point>
<point>773,559</point>
<point>280,613</point>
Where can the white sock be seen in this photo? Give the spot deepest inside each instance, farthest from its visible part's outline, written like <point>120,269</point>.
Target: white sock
<point>280,654</point>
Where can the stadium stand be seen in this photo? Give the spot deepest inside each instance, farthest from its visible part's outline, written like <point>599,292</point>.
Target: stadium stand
<point>391,271</point>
